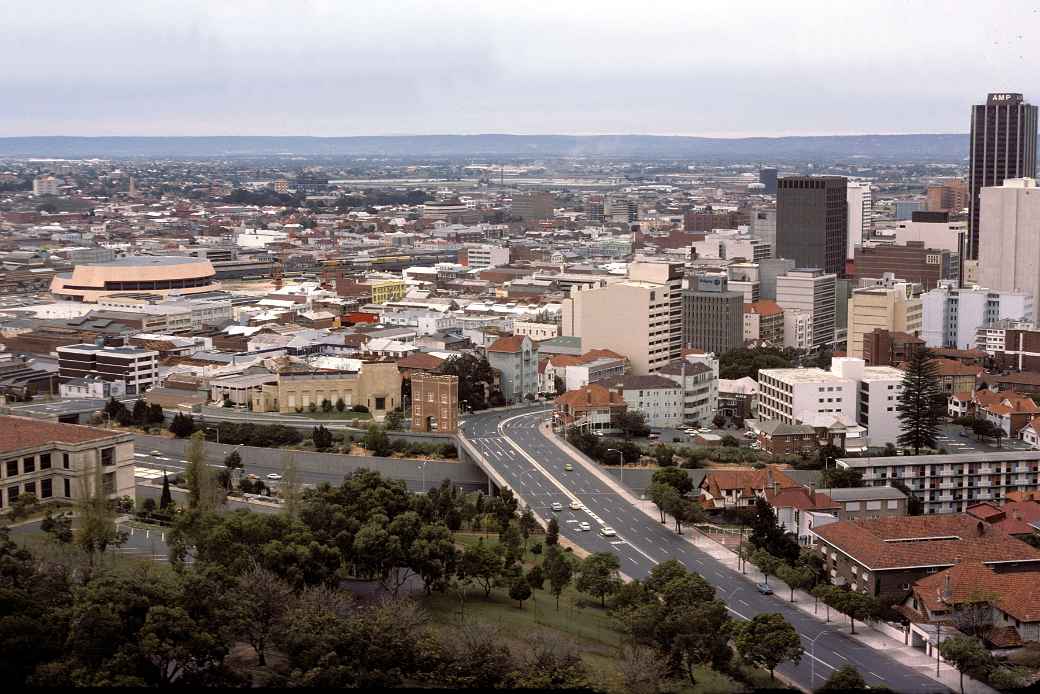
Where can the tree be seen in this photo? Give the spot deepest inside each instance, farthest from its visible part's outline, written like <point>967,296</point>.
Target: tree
<point>140,412</point>
<point>632,424</point>
<point>663,454</point>
<point>58,527</point>
<point>165,499</point>
<point>968,655</point>
<point>182,425</point>
<point>476,379</point>
<point>766,563</point>
<point>840,478</point>
<point>376,441</point>
<point>527,525</point>
<point>97,528</point>
<point>599,576</point>
<point>394,420</point>
<point>340,405</point>
<point>520,591</point>
<point>677,478</point>
<point>921,403</point>
<point>434,556</point>
<point>322,437</point>
<point>204,494</point>
<point>844,679</point>
<point>232,461</point>
<point>826,593</point>
<point>558,570</point>
<point>664,497</point>
<point>24,505</point>
<point>261,601</point>
<point>642,670</point>
<point>156,414</point>
<point>857,606</point>
<point>796,577</point>
<point>550,662</point>
<point>536,577</point>
<point>552,533</point>
<point>481,564</point>
<point>768,640</point>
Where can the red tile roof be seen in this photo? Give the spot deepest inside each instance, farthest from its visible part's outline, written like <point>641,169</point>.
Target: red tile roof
<point>1015,591</point>
<point>510,345</point>
<point>764,307</point>
<point>919,541</point>
<point>747,481</point>
<point>590,396</point>
<point>800,498</point>
<point>25,432</point>
<point>419,361</point>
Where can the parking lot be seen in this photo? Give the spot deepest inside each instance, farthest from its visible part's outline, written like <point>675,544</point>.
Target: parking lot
<point>952,440</point>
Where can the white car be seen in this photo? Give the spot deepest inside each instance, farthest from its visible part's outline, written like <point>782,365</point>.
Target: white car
<point>557,506</point>
<point>575,506</point>
<point>156,454</point>
<point>584,525</point>
<point>273,476</point>
<point>608,531</point>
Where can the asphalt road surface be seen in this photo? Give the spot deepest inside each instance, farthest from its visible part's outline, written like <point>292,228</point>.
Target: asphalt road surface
<point>534,467</point>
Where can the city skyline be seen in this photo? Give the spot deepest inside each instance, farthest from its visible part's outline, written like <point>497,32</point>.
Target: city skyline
<point>323,69</point>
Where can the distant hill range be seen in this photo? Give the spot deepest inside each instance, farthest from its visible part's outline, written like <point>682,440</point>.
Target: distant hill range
<point>921,147</point>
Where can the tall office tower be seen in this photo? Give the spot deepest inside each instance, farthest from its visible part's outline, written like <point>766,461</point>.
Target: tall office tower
<point>952,316</point>
<point>861,216</point>
<point>949,195</point>
<point>713,316</point>
<point>812,291</point>
<point>812,221</point>
<point>763,225</point>
<point>1009,260</point>
<point>1003,145</point>
<point>767,177</point>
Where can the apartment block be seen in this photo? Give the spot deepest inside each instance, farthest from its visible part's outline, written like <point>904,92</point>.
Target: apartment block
<point>659,399</point>
<point>911,261</point>
<point>811,290</point>
<point>951,483</point>
<point>533,206</point>
<point>950,195</point>
<point>56,461</point>
<point>1012,344</point>
<point>137,369</point>
<point>516,358</point>
<point>698,376</point>
<point>798,329</point>
<point>484,255</point>
<point>435,403</point>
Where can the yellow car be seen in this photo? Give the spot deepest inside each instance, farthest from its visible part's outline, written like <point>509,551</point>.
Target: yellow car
<point>568,467</point>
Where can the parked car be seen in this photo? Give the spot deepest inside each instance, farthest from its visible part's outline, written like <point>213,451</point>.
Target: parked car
<point>764,588</point>
<point>608,531</point>
<point>575,506</point>
<point>568,467</point>
<point>584,525</point>
<point>557,506</point>
<point>273,476</point>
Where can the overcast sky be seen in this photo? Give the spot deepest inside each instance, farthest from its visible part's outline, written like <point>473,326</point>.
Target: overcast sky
<point>377,67</point>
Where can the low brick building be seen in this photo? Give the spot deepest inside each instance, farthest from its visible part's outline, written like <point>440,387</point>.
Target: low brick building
<point>885,556</point>
<point>435,403</point>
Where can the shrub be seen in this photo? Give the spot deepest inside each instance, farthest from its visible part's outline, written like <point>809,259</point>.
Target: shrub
<point>359,408</point>
<point>326,405</point>
<point>340,405</point>
<point>536,548</point>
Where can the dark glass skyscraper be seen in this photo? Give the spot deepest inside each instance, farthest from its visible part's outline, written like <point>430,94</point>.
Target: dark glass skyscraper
<point>1003,145</point>
<point>767,177</point>
<point>812,221</point>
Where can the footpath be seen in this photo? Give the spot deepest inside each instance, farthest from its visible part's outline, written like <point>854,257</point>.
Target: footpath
<point>880,636</point>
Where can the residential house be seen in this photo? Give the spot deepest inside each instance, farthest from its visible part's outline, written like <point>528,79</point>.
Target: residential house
<point>795,507</point>
<point>955,377</point>
<point>592,408</point>
<point>738,488</point>
<point>1010,414</point>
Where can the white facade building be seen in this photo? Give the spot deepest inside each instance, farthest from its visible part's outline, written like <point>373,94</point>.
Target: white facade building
<point>1009,251</point>
<point>798,328</point>
<point>812,290</point>
<point>951,316</point>
<point>861,215</point>
<point>659,399</point>
<point>485,255</point>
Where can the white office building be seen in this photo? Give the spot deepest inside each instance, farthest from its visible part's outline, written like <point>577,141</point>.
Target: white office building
<point>485,255</point>
<point>861,215</point>
<point>951,316</point>
<point>811,290</point>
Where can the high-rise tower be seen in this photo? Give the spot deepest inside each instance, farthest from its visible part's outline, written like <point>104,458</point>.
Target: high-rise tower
<point>1003,145</point>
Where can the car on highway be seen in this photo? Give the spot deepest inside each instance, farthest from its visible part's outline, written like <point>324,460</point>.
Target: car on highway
<point>156,454</point>
<point>273,476</point>
<point>584,525</point>
<point>608,531</point>
<point>568,467</point>
<point>575,506</point>
<point>764,588</point>
<point>557,506</point>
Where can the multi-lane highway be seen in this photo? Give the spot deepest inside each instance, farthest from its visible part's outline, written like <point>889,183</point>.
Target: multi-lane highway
<point>513,444</point>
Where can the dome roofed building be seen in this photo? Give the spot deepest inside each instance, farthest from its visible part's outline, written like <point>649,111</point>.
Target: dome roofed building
<point>160,275</point>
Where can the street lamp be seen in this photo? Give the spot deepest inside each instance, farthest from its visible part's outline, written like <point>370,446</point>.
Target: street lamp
<point>422,469</point>
<point>812,656</point>
<point>621,457</point>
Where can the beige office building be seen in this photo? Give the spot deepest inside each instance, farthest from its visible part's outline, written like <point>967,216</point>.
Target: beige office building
<point>1009,250</point>
<point>894,308</point>
<point>377,386</point>
<point>641,318</point>
<point>58,462</point>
